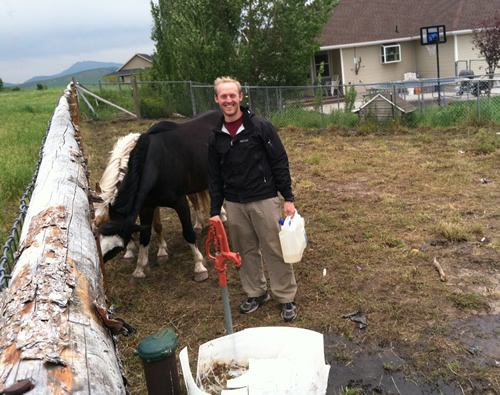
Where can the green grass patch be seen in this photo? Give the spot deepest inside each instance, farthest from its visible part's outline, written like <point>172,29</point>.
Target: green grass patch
<point>24,118</point>
<point>466,300</point>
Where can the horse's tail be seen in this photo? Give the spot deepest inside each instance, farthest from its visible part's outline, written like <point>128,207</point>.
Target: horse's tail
<point>127,194</point>
<point>204,198</point>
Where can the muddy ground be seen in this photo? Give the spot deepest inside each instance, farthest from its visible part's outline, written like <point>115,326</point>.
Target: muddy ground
<point>380,207</point>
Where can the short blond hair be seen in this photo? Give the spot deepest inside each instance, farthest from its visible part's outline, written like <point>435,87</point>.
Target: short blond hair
<point>222,80</point>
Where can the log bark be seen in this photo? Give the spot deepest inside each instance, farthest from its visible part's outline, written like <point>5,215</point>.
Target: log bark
<point>50,333</point>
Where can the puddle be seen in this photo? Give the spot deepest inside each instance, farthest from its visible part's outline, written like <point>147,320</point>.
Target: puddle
<point>379,370</point>
<point>481,338</point>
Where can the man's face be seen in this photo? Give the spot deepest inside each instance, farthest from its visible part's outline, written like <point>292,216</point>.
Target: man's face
<point>229,99</point>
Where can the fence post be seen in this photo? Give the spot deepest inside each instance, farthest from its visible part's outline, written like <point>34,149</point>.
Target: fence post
<point>249,97</point>
<point>392,95</point>
<point>281,104</point>
<point>135,95</point>
<point>193,99</point>
<point>478,101</point>
<point>321,107</point>
<point>421,98</point>
<point>267,105</point>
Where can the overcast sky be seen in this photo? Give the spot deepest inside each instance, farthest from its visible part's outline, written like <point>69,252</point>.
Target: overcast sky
<point>46,37</point>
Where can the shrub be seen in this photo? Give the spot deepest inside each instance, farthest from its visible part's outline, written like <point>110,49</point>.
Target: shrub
<point>350,98</point>
<point>153,107</point>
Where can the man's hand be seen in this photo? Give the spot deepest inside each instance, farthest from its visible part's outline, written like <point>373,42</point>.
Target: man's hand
<point>289,209</point>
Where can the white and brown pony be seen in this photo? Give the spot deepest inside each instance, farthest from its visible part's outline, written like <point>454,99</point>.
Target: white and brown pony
<point>107,189</point>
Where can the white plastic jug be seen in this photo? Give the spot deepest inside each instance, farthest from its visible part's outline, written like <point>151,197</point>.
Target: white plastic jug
<point>293,238</point>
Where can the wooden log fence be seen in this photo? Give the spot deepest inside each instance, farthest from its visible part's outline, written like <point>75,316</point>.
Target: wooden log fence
<point>52,339</point>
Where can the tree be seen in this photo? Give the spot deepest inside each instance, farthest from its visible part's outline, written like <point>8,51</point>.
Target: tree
<point>195,39</point>
<point>260,42</point>
<point>486,38</point>
<point>1,84</point>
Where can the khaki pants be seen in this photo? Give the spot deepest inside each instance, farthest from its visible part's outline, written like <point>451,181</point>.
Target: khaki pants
<point>254,231</point>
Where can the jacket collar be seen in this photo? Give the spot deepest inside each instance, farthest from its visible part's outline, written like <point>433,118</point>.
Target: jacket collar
<point>247,123</point>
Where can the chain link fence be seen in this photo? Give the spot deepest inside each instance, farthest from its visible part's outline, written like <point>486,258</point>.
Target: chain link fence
<point>9,251</point>
<point>462,100</point>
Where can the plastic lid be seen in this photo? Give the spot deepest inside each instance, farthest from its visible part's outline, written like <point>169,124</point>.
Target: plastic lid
<point>158,346</point>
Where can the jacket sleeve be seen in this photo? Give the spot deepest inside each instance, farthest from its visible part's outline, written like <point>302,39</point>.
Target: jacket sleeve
<point>215,181</point>
<point>278,160</point>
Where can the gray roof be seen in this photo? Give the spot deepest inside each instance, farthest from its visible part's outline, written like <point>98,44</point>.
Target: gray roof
<point>358,21</point>
<point>400,103</point>
<point>145,56</point>
<point>123,73</point>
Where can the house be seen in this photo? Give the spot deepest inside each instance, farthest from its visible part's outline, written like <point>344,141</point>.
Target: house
<point>369,41</point>
<point>137,63</point>
<point>384,107</point>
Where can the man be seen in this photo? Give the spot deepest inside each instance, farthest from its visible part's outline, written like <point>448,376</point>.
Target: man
<point>248,165</point>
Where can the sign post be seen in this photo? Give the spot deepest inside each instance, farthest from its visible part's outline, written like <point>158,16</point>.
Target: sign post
<point>434,35</point>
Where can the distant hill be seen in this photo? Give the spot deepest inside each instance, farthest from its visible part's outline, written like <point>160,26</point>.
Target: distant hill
<point>88,77</point>
<point>76,68</point>
<point>87,72</point>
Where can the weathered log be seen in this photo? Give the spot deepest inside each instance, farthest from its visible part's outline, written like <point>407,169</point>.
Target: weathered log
<point>50,333</point>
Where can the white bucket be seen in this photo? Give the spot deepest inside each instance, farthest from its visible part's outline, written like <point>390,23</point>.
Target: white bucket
<point>293,238</point>
<point>277,361</point>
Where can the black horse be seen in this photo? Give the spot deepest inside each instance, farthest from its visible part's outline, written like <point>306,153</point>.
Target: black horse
<point>168,162</point>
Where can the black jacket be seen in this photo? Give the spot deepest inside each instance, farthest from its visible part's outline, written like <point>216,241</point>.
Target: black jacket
<point>249,167</point>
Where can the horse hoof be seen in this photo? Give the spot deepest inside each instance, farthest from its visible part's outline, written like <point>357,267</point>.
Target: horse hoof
<point>137,280</point>
<point>161,260</point>
<point>200,277</point>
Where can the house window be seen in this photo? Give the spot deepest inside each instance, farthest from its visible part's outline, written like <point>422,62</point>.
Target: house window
<point>322,58</point>
<point>390,53</point>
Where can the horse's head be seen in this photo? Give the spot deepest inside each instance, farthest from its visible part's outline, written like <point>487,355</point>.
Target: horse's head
<point>115,235</point>
<point>101,206</point>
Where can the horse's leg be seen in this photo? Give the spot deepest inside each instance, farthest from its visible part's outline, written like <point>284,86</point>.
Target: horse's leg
<point>183,211</point>
<point>198,216</point>
<point>130,250</point>
<point>162,255</point>
<point>146,218</point>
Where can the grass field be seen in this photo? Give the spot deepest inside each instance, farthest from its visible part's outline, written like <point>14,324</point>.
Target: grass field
<point>24,117</point>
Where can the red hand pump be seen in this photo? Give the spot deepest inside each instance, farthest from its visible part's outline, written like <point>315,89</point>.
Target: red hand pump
<point>223,254</point>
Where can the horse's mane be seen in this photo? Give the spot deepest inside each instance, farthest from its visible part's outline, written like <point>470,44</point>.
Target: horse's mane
<point>116,169</point>
<point>127,194</point>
